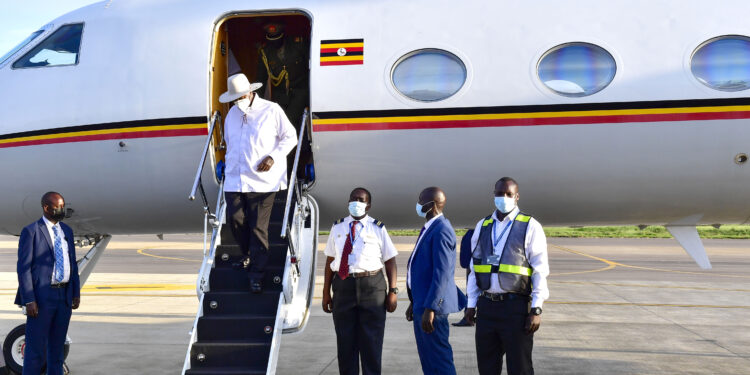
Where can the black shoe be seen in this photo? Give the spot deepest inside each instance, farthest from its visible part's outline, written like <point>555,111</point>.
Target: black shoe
<point>242,264</point>
<point>256,287</point>
<point>462,323</point>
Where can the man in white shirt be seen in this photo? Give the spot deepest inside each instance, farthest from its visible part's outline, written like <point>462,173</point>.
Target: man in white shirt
<point>258,136</point>
<point>357,250</point>
<point>507,285</point>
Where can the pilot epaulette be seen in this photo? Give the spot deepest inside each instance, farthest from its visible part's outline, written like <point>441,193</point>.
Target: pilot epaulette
<point>378,222</point>
<point>339,221</point>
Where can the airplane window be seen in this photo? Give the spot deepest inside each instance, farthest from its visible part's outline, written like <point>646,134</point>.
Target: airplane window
<point>429,75</point>
<point>60,48</point>
<point>723,63</point>
<point>24,43</point>
<point>576,69</point>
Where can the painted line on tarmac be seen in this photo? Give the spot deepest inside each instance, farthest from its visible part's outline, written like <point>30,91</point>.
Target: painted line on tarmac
<point>617,264</point>
<point>644,304</point>
<point>143,252</point>
<point>651,286</point>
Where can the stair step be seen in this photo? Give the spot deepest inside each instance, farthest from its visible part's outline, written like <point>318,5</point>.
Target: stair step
<point>236,328</point>
<point>223,371</point>
<point>230,279</point>
<point>228,254</point>
<point>227,355</point>
<point>240,303</point>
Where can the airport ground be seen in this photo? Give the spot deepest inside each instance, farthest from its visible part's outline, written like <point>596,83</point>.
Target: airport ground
<point>617,306</point>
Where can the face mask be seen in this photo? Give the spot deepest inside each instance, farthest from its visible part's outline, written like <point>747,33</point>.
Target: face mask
<point>505,204</point>
<point>357,209</point>
<point>58,214</point>
<point>419,209</point>
<point>243,104</point>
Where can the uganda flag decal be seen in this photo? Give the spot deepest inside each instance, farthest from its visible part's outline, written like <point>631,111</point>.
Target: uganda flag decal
<point>342,52</point>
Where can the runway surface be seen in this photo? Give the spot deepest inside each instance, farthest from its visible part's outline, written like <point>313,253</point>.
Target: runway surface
<point>617,306</point>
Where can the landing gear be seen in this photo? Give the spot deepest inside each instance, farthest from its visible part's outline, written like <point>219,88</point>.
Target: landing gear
<point>14,346</point>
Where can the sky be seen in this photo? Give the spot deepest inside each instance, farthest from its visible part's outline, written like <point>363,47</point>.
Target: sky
<point>19,18</point>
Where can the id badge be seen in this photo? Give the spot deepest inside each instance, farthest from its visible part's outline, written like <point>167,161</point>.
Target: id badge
<point>493,260</point>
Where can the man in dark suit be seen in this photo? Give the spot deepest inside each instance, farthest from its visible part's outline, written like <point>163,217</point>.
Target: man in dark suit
<point>432,290</point>
<point>48,286</point>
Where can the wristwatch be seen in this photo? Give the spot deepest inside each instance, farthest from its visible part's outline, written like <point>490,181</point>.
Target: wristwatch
<point>393,290</point>
<point>535,311</point>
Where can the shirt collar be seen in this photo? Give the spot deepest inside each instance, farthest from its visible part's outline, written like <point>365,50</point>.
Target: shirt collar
<point>510,216</point>
<point>49,223</point>
<point>429,222</point>
<point>363,220</point>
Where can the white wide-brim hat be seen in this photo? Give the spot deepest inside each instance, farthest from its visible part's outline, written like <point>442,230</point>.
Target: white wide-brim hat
<point>237,87</point>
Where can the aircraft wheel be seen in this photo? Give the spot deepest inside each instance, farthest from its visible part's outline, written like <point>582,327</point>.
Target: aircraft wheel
<point>14,346</point>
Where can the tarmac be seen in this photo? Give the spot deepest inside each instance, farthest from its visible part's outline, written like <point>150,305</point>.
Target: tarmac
<point>617,306</point>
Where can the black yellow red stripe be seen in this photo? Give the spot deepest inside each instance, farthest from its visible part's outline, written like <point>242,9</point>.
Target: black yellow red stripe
<point>172,127</point>
<point>342,52</point>
<point>596,113</point>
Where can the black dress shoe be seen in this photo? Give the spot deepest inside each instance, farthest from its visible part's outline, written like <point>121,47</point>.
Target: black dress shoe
<point>462,323</point>
<point>255,286</point>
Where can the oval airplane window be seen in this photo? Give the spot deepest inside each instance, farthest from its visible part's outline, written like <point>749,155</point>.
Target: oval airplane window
<point>723,63</point>
<point>576,69</point>
<point>428,75</point>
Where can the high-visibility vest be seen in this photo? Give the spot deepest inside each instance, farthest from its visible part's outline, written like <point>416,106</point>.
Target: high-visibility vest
<point>513,271</point>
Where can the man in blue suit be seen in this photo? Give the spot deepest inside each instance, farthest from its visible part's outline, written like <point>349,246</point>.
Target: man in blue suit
<point>48,286</point>
<point>432,290</point>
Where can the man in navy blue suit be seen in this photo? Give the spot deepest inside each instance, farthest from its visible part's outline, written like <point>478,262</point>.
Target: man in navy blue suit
<point>432,290</point>
<point>48,286</point>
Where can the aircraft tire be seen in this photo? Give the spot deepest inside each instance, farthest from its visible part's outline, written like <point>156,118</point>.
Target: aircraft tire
<point>14,355</point>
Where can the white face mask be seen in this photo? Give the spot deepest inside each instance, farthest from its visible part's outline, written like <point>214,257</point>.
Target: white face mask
<point>357,209</point>
<point>243,104</point>
<point>419,209</point>
<point>505,204</point>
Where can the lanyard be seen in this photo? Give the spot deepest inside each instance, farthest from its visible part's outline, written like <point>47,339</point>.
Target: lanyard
<point>498,238</point>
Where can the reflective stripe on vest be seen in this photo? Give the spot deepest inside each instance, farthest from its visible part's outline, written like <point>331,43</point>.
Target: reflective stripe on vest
<point>488,268</point>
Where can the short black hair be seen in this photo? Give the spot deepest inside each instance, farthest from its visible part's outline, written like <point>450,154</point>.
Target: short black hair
<point>47,198</point>
<point>508,180</point>
<point>367,192</point>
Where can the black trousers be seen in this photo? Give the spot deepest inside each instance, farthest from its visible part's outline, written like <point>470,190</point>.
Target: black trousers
<point>500,330</point>
<point>359,318</point>
<point>248,215</point>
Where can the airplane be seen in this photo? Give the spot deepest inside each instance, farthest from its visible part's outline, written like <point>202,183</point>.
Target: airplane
<point>625,113</point>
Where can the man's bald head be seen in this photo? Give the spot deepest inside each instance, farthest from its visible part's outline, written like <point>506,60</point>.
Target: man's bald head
<point>434,199</point>
<point>50,198</point>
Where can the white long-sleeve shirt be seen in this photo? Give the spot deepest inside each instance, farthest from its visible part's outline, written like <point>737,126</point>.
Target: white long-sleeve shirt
<point>252,134</point>
<point>64,242</point>
<point>536,253</point>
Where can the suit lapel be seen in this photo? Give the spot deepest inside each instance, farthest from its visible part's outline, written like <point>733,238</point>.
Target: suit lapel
<point>429,230</point>
<point>45,233</point>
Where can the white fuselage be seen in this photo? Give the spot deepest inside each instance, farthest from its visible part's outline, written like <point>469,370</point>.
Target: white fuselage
<point>149,61</point>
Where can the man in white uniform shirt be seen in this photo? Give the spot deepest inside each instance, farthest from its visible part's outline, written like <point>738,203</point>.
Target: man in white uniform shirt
<point>258,136</point>
<point>358,247</point>
<point>507,284</point>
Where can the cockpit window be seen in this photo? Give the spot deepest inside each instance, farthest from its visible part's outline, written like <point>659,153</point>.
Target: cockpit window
<point>723,63</point>
<point>60,48</point>
<point>24,43</point>
<point>576,69</point>
<point>429,75</point>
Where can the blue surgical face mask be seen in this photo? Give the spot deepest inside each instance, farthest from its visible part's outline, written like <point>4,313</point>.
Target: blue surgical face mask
<point>357,209</point>
<point>419,209</point>
<point>505,204</point>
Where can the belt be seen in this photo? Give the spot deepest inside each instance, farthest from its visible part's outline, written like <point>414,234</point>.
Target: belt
<point>357,275</point>
<point>59,286</point>
<point>503,296</point>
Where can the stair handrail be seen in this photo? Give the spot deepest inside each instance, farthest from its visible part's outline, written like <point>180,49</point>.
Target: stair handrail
<point>292,188</point>
<point>197,183</point>
<point>209,251</point>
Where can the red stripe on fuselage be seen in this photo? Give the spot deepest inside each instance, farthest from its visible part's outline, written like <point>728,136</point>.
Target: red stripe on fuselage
<point>101,137</point>
<point>481,123</point>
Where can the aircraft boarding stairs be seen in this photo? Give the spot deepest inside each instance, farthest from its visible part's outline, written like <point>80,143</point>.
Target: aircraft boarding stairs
<point>236,331</point>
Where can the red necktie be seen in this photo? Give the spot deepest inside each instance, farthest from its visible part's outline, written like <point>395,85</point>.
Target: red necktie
<point>344,265</point>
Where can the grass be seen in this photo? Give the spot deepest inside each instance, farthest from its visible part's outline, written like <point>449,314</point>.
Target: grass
<point>654,231</point>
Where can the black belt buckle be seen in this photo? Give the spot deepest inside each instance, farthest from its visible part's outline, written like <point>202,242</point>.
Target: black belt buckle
<point>59,286</point>
<point>496,297</point>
